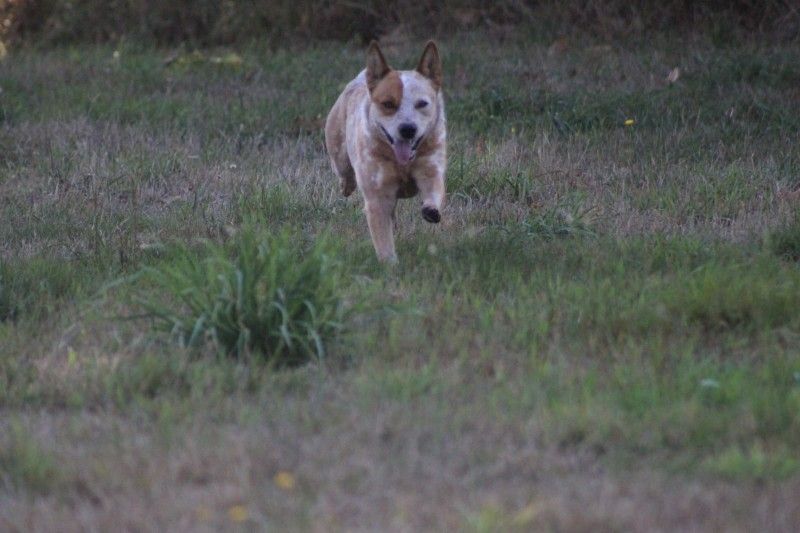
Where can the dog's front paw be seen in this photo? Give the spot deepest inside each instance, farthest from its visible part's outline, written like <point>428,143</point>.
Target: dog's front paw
<point>388,259</point>
<point>431,214</point>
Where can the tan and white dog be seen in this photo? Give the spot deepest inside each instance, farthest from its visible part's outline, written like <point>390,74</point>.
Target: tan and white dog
<point>386,134</point>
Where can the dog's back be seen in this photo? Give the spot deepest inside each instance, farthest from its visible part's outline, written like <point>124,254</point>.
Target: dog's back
<point>336,131</point>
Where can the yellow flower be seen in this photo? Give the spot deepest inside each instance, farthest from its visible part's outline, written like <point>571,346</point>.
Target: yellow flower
<point>284,480</point>
<point>629,122</point>
<point>72,357</point>
<point>238,513</point>
<point>527,514</point>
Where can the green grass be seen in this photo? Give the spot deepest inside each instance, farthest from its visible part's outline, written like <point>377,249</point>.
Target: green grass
<point>24,465</point>
<point>605,321</point>
<point>753,464</point>
<point>32,288</point>
<point>785,241</point>
<point>273,297</point>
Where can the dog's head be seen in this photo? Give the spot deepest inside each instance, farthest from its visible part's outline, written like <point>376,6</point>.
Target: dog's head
<point>405,103</point>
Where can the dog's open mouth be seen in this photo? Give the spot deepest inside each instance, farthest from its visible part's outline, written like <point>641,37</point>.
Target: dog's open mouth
<point>404,151</point>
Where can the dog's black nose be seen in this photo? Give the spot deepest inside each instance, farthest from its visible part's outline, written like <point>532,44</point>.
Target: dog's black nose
<point>407,131</point>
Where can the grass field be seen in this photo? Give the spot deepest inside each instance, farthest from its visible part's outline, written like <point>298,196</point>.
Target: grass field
<point>603,333</point>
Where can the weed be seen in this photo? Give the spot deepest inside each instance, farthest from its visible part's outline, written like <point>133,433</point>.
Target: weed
<point>25,464</point>
<point>571,218</point>
<point>736,463</point>
<point>32,288</point>
<point>271,297</point>
<point>754,296</point>
<point>785,241</point>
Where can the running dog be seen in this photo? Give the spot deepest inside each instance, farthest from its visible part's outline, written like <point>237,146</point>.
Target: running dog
<point>386,135</point>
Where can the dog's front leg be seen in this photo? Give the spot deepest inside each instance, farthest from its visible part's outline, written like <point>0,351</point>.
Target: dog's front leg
<point>431,189</point>
<point>380,210</point>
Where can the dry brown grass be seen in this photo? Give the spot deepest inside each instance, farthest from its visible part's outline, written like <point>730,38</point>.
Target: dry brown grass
<point>393,468</point>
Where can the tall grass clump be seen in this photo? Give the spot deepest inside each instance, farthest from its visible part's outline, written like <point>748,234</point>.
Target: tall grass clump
<point>785,241</point>
<point>24,464</point>
<point>33,288</point>
<point>755,296</point>
<point>266,295</point>
<point>570,219</point>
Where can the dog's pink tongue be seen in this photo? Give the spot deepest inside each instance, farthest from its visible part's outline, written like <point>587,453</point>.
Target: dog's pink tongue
<point>402,152</point>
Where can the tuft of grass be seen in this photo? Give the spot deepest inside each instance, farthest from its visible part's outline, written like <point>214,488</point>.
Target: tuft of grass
<point>750,296</point>
<point>785,241</point>
<point>33,287</point>
<point>263,294</point>
<point>756,463</point>
<point>151,380</point>
<point>24,464</point>
<point>571,218</point>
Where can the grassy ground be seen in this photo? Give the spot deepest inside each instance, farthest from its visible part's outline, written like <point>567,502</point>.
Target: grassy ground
<point>602,334</point>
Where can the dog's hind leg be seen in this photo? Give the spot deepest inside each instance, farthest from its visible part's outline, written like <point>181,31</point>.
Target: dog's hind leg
<point>340,162</point>
<point>347,176</point>
<point>336,145</point>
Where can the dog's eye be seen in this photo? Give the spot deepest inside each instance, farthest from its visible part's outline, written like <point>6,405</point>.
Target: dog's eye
<point>420,104</point>
<point>388,104</point>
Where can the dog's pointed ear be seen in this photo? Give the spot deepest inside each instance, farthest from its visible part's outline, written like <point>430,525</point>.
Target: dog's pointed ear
<point>377,67</point>
<point>430,65</point>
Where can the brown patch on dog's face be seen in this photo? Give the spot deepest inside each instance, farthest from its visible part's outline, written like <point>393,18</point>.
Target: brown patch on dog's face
<point>388,93</point>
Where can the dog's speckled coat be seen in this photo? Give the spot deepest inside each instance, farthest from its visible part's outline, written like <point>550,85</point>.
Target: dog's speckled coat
<point>386,134</point>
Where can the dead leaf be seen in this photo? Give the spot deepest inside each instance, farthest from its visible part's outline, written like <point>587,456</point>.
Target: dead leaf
<point>673,75</point>
<point>559,47</point>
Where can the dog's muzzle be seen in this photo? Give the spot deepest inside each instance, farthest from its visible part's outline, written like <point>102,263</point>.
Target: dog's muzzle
<point>404,150</point>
